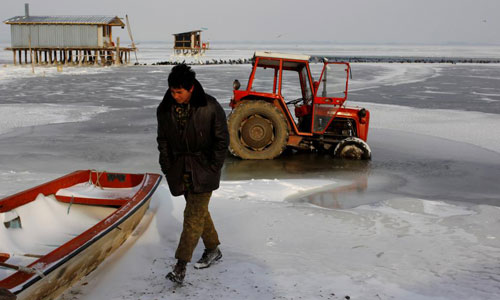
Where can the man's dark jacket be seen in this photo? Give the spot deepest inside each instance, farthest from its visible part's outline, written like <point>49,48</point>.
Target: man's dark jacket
<point>203,147</point>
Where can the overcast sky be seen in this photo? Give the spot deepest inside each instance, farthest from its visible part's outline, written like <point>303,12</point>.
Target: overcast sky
<point>338,21</point>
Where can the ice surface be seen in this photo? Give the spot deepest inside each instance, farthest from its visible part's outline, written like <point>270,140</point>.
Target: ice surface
<point>468,127</point>
<point>420,221</point>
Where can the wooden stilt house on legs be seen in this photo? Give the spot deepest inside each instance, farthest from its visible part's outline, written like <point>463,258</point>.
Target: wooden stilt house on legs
<point>189,43</point>
<point>77,40</point>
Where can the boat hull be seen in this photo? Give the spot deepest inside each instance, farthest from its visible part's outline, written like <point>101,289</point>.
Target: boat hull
<point>57,281</point>
<point>64,266</point>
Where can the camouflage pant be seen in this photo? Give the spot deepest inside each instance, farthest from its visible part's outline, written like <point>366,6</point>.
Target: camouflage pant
<point>197,223</point>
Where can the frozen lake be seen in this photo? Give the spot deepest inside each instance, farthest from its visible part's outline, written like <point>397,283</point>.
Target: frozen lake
<point>116,110</point>
<point>430,189</point>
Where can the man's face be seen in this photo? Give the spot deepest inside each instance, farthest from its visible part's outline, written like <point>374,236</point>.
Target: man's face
<point>181,95</point>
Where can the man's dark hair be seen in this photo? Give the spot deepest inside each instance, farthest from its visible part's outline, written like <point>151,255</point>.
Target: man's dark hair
<point>181,76</point>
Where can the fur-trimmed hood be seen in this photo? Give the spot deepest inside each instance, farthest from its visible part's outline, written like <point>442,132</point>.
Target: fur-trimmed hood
<point>198,98</point>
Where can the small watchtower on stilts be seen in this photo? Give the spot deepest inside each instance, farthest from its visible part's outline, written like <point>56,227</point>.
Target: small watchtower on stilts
<point>189,43</point>
<point>73,40</point>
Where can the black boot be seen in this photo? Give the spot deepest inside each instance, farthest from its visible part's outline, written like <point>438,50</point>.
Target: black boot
<point>208,257</point>
<point>178,273</point>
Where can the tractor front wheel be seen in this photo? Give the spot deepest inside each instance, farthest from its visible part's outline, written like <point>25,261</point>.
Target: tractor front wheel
<point>352,148</point>
<point>257,130</point>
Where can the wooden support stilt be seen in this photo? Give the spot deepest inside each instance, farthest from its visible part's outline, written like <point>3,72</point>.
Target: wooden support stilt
<point>31,55</point>
<point>117,60</point>
<point>71,56</point>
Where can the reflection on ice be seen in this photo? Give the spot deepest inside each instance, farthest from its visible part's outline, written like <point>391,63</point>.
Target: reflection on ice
<point>337,196</point>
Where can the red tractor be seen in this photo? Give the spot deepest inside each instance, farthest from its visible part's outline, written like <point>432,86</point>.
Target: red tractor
<point>262,122</point>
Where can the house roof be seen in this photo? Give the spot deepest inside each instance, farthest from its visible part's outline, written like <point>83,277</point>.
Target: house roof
<point>187,32</point>
<point>66,20</point>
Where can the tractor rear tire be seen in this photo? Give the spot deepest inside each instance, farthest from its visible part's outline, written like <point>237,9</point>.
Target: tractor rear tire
<point>352,148</point>
<point>257,130</point>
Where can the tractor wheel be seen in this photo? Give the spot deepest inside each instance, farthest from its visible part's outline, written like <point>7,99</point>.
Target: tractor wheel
<point>257,130</point>
<point>352,148</point>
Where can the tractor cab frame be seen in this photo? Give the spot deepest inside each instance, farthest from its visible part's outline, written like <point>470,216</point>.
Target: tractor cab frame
<point>282,106</point>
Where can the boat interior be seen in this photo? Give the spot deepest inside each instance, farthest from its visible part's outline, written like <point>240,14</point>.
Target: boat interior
<point>35,222</point>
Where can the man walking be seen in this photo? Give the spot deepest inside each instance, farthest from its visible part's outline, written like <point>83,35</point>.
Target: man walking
<point>192,140</point>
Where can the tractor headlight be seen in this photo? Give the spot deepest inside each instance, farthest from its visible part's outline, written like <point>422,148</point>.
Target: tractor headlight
<point>362,113</point>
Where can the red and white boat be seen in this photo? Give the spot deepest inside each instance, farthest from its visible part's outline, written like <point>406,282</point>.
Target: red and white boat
<point>57,232</point>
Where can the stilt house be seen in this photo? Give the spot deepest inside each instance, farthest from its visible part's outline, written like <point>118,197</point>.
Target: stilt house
<point>66,40</point>
<point>189,43</point>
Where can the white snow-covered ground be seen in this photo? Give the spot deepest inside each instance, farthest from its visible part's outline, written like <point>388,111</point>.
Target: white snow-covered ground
<point>387,246</point>
<point>391,248</point>
<point>398,249</point>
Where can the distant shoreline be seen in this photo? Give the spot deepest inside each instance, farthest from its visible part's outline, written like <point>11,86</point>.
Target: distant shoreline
<point>408,59</point>
<point>350,59</point>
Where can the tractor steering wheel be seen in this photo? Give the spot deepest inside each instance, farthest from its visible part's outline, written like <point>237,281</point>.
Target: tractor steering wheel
<point>295,101</point>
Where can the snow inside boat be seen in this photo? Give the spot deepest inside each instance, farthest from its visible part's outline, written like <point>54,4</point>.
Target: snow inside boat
<point>53,234</point>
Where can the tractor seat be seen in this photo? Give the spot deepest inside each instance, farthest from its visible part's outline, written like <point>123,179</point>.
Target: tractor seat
<point>303,110</point>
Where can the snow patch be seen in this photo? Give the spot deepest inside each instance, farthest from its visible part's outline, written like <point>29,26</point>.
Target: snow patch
<point>461,126</point>
<point>25,115</point>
